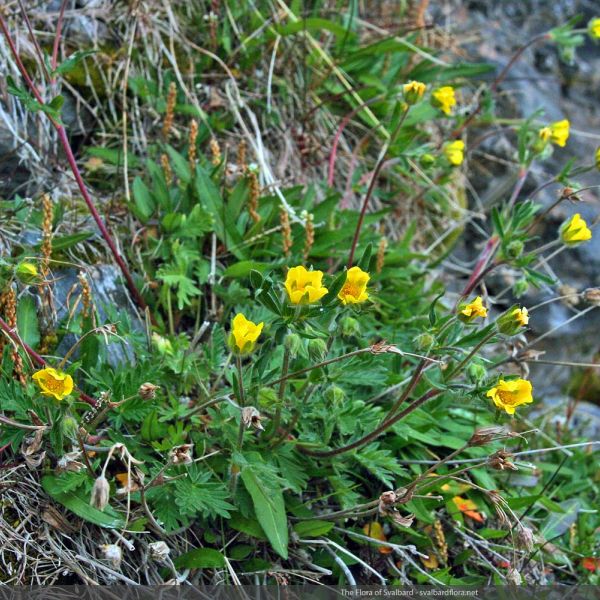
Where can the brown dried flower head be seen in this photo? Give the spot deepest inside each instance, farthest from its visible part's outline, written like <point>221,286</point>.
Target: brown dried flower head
<point>112,553</point>
<point>159,551</point>
<point>485,435</point>
<point>147,391</point>
<point>251,418</point>
<point>100,493</point>
<point>525,538</point>
<point>181,455</point>
<point>592,296</point>
<point>501,461</point>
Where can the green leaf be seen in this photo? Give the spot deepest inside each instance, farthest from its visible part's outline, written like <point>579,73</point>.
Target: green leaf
<point>200,558</point>
<point>250,527</point>
<point>27,321</point>
<point>244,268</point>
<point>68,65</point>
<point>555,525</point>
<point>269,507</point>
<point>64,242</point>
<point>144,204</point>
<point>80,505</point>
<point>314,528</point>
<point>113,156</point>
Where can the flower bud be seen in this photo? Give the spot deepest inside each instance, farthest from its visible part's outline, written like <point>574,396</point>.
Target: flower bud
<point>113,554</point>
<point>349,326</point>
<point>476,372</point>
<point>334,394</point>
<point>162,345</point>
<point>513,321</point>
<point>427,160</point>
<point>293,344</point>
<point>147,391</point>
<point>424,341</point>
<point>317,349</point>
<point>520,288</point>
<point>159,551</point>
<point>26,272</point>
<point>69,427</point>
<point>100,493</point>
<point>515,249</point>
<point>413,91</point>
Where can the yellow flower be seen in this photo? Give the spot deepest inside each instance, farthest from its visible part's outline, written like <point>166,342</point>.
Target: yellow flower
<point>444,99</point>
<point>54,383</point>
<point>559,132</point>
<point>455,152</point>
<point>545,134</point>
<point>521,316</point>
<point>474,309</point>
<point>26,272</point>
<point>594,28</point>
<point>244,334</point>
<point>513,320</point>
<point>597,158</point>
<point>413,91</point>
<point>575,230</point>
<point>510,394</point>
<point>354,290</point>
<point>304,286</point>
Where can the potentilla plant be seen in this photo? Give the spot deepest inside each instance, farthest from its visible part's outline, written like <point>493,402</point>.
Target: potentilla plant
<point>301,387</point>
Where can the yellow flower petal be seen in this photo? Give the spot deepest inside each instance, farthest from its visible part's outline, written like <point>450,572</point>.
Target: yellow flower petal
<point>455,152</point>
<point>507,395</point>
<point>245,333</point>
<point>53,383</point>
<point>303,286</point>
<point>444,99</point>
<point>575,230</point>
<point>474,309</point>
<point>354,290</point>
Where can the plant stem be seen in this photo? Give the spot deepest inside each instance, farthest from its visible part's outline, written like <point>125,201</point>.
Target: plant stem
<point>376,432</point>
<point>319,365</point>
<point>407,391</point>
<point>242,399</point>
<point>281,392</point>
<point>499,79</point>
<point>471,354</point>
<point>64,140</point>
<point>36,358</point>
<point>371,188</point>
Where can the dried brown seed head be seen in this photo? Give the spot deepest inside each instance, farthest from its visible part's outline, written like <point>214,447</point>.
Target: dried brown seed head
<point>147,391</point>
<point>100,493</point>
<point>181,455</point>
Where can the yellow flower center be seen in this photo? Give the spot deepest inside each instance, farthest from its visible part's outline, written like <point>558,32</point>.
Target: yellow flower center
<point>507,397</point>
<point>351,289</point>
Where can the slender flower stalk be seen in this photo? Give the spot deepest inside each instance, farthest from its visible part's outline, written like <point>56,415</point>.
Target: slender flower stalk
<point>64,140</point>
<point>372,183</point>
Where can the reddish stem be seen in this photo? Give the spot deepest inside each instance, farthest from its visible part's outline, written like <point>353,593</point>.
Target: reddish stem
<point>36,357</point>
<point>62,135</point>
<point>338,134</point>
<point>496,83</point>
<point>59,25</point>
<point>481,265</point>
